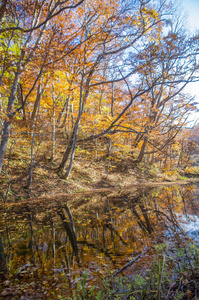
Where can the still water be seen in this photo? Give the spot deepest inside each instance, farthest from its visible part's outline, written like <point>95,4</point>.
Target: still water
<point>49,244</point>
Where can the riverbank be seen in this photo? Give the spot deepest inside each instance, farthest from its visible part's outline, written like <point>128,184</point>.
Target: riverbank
<point>116,244</point>
<point>87,177</point>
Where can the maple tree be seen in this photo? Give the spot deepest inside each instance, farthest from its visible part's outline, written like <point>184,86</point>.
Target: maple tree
<point>32,41</point>
<point>114,42</point>
<point>99,81</point>
<point>103,82</point>
<point>167,66</point>
<point>81,72</point>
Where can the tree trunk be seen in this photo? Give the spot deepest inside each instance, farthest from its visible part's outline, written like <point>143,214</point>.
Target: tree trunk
<point>71,147</point>
<point>32,240</point>
<point>3,269</point>
<point>73,139</point>
<point>54,246</point>
<point>32,158</point>
<point>66,175</point>
<point>64,113</point>
<point>70,230</point>
<point>33,143</point>
<point>109,154</point>
<point>3,9</point>
<point>4,141</point>
<point>21,99</point>
<point>7,122</point>
<point>141,154</point>
<point>54,127</point>
<point>67,152</point>
<point>37,101</point>
<point>112,101</point>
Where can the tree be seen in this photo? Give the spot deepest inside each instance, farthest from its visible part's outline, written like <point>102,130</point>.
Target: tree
<point>114,29</point>
<point>101,70</point>
<point>166,64</point>
<point>41,31</point>
<point>171,61</point>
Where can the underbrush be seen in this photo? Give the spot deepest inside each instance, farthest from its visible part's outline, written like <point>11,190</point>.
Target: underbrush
<point>174,274</point>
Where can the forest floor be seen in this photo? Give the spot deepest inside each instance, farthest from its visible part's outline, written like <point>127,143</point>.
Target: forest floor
<point>87,176</point>
<point>93,176</point>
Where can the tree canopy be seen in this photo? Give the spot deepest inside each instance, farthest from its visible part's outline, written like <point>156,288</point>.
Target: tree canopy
<point>103,72</point>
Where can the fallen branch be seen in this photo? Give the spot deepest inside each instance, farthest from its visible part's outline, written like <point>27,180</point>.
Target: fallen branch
<point>146,249</point>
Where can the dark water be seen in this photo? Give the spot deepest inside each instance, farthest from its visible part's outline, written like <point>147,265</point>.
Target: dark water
<point>48,245</point>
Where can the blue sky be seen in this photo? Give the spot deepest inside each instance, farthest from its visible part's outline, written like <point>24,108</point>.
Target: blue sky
<point>191,7</point>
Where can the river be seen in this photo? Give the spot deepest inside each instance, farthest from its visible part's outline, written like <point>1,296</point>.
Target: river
<point>48,245</point>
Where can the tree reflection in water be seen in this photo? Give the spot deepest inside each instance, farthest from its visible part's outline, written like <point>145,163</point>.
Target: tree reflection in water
<point>48,245</point>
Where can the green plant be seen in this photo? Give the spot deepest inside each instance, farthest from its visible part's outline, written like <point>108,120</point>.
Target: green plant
<point>171,267</point>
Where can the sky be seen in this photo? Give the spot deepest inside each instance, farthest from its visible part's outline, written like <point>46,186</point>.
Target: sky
<point>191,8</point>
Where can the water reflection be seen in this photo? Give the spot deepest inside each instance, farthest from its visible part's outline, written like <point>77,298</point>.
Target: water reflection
<point>190,224</point>
<point>50,244</point>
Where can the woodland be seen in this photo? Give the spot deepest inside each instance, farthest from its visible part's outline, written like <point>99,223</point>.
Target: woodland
<point>93,96</point>
<point>100,79</point>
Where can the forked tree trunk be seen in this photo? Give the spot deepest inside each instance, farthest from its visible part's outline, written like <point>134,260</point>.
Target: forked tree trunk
<point>73,138</point>
<point>67,152</point>
<point>70,149</point>
<point>69,227</point>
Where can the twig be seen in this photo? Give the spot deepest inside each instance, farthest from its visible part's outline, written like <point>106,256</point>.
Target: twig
<point>146,249</point>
